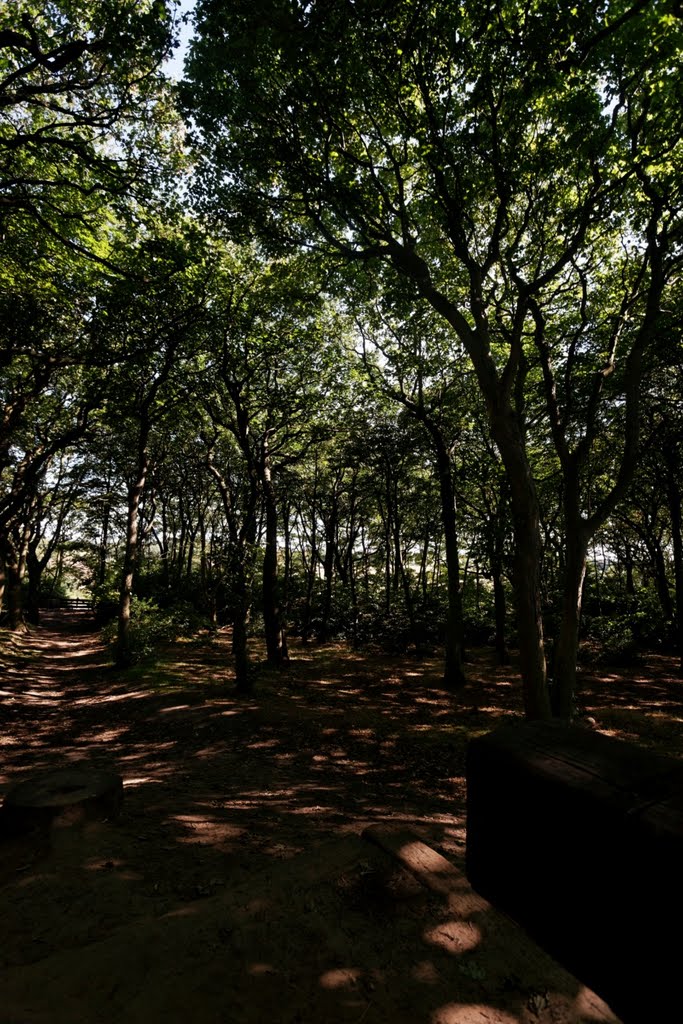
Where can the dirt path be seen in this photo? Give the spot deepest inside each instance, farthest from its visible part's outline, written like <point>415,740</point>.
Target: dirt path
<point>235,887</point>
<point>306,759</point>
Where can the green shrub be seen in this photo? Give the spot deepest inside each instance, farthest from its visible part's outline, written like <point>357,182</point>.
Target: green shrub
<point>624,630</point>
<point>151,627</point>
<point>615,637</point>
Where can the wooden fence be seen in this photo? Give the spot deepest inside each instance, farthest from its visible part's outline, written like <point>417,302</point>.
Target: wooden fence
<point>72,604</point>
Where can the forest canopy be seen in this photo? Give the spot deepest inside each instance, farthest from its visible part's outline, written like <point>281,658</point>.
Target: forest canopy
<point>368,327</point>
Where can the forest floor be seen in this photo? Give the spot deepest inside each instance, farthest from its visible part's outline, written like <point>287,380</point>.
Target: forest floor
<point>235,887</point>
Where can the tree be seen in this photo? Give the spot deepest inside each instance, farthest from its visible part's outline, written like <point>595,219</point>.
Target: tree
<point>59,417</point>
<point>84,116</point>
<point>60,488</point>
<point>150,331</point>
<point>483,498</point>
<point>650,525</point>
<point>486,154</point>
<point>239,497</point>
<point>79,151</point>
<point>420,371</point>
<point>271,361</point>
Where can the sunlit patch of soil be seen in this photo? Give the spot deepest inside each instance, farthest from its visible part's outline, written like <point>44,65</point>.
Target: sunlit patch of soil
<point>224,793</point>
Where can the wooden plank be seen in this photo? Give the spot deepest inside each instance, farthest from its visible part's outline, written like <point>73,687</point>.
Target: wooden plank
<point>429,867</point>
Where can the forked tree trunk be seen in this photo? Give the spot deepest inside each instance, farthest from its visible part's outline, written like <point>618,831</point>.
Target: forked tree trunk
<point>527,563</point>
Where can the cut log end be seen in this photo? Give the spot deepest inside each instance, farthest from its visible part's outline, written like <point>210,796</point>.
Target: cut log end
<point>62,797</point>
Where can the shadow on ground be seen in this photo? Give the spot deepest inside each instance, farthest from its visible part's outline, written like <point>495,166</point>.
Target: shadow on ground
<point>235,887</point>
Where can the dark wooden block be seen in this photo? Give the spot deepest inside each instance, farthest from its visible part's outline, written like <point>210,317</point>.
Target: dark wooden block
<point>579,837</point>
<point>62,796</point>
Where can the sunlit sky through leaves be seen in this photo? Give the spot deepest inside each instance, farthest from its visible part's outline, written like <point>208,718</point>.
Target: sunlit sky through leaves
<point>174,67</point>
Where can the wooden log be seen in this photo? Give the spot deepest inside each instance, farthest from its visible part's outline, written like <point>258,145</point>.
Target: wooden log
<point>492,955</point>
<point>425,864</point>
<point>579,837</point>
<point>63,796</point>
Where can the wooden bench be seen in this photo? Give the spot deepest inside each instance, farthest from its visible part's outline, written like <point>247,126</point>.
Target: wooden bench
<point>579,838</point>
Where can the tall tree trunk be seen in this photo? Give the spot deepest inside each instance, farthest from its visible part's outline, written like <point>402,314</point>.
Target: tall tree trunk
<point>366,565</point>
<point>16,560</point>
<point>400,576</point>
<point>15,609</point>
<point>13,584</point>
<point>272,609</point>
<point>402,573</point>
<point>436,573</point>
<point>244,681</point>
<point>307,611</point>
<point>422,576</point>
<point>103,545</point>
<point>208,593</point>
<point>3,577</point>
<point>286,576</point>
<point>527,562</point>
<point>32,566</point>
<point>34,572</point>
<point>330,523</point>
<point>162,542</point>
<point>660,574</point>
<point>563,689</point>
<point>242,527</point>
<point>674,500</point>
<point>123,653</point>
<point>507,431</point>
<point>246,547</point>
<point>353,592</point>
<point>181,555</point>
<point>499,611</point>
<point>454,672</point>
<point>190,554</point>
<point>628,566</point>
<point>388,574</point>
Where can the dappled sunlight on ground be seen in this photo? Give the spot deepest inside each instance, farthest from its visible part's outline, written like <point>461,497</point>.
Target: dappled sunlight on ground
<point>457,1013</point>
<point>641,703</point>
<point>238,840</point>
<point>454,937</point>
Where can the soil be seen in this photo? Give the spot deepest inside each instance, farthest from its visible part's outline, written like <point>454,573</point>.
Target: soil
<point>236,887</point>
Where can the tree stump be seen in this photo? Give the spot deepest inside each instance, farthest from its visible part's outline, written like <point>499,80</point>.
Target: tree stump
<point>62,797</point>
